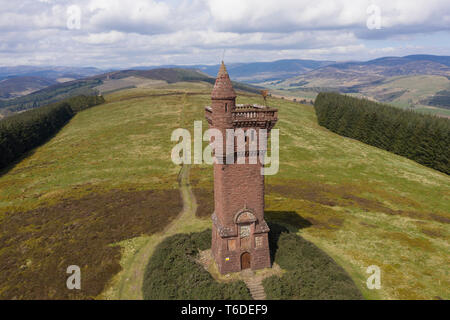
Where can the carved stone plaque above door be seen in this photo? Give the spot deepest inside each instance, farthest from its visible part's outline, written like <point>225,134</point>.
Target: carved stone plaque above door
<point>244,231</point>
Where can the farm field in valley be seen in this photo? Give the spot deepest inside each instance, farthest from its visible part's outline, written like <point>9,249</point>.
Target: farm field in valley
<point>408,92</point>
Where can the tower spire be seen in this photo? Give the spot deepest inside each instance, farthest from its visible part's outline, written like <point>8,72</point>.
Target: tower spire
<point>223,89</point>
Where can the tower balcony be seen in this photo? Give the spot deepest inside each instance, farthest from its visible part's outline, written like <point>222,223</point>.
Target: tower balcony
<point>254,116</point>
<point>249,116</point>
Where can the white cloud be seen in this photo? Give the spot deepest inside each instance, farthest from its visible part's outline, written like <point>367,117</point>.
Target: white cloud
<point>102,38</point>
<point>135,16</point>
<point>182,31</point>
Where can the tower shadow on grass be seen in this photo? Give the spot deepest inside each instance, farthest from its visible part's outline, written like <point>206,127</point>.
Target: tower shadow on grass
<point>283,222</point>
<point>10,166</point>
<point>289,219</point>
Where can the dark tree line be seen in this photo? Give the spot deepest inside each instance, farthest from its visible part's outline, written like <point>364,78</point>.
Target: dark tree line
<point>24,131</point>
<point>419,137</point>
<point>79,103</point>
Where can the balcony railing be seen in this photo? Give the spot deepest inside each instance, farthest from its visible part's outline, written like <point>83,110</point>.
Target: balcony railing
<point>254,115</point>
<point>249,115</point>
<point>248,106</point>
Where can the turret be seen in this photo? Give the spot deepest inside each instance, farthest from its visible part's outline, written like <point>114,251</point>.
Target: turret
<point>223,99</point>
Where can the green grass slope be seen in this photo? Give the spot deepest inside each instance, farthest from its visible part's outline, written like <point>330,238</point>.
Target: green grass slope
<point>362,205</point>
<point>107,178</point>
<point>104,178</point>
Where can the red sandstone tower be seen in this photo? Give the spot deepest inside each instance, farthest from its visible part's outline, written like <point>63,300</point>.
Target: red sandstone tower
<point>239,231</point>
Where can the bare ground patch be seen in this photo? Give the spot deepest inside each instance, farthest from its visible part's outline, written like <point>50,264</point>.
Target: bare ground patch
<point>37,246</point>
<point>205,202</point>
<point>434,232</point>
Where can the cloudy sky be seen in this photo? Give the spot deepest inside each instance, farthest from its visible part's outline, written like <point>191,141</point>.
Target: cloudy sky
<point>126,33</point>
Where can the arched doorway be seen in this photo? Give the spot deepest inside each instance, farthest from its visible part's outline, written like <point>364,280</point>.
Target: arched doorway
<point>245,261</point>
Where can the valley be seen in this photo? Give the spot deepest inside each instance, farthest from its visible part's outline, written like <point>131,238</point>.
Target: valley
<point>410,82</point>
<point>416,82</point>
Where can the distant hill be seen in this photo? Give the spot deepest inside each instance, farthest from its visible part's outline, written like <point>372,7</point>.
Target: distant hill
<point>49,72</point>
<point>90,86</point>
<point>49,95</point>
<point>286,72</point>
<point>353,73</point>
<point>299,70</point>
<point>408,82</point>
<point>400,66</point>
<point>22,80</point>
<point>395,61</point>
<point>172,75</point>
<point>445,60</point>
<point>19,86</point>
<point>259,71</point>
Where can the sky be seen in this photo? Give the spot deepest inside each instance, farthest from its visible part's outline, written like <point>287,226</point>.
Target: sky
<point>127,33</point>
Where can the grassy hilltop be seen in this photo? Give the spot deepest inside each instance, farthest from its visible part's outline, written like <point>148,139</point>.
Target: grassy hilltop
<point>103,192</point>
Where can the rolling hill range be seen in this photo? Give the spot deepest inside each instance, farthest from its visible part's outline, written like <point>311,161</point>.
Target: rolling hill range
<point>20,86</point>
<point>49,72</point>
<point>103,192</point>
<point>421,82</point>
<point>254,72</point>
<point>105,83</point>
<point>288,70</point>
<point>22,80</point>
<point>408,82</point>
<point>34,78</point>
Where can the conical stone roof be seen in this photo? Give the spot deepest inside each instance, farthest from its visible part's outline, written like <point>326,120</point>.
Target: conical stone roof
<point>223,89</point>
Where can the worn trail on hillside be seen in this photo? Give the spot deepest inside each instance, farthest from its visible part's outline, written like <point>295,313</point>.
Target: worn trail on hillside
<point>132,278</point>
<point>132,275</point>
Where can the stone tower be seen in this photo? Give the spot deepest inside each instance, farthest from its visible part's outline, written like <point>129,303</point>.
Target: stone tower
<point>239,231</point>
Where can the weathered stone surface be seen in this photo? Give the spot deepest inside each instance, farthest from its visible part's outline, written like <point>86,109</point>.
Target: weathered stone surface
<point>238,221</point>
